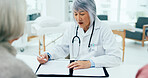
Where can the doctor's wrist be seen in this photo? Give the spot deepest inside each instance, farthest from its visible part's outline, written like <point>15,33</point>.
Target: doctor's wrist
<point>92,63</point>
<point>49,56</point>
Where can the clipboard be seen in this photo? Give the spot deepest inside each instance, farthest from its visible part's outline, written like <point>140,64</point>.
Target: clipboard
<point>70,74</point>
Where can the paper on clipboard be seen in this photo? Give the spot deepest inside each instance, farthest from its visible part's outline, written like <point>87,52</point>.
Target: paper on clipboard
<point>54,67</point>
<point>89,72</point>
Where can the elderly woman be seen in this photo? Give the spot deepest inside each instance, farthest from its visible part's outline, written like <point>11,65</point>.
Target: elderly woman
<point>89,39</point>
<point>12,22</point>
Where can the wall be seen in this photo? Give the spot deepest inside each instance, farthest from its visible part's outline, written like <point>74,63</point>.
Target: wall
<point>57,9</point>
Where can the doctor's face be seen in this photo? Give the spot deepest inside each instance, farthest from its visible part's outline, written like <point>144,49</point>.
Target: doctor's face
<point>82,18</point>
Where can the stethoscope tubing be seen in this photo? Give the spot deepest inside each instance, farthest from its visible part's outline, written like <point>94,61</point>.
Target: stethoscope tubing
<point>76,36</point>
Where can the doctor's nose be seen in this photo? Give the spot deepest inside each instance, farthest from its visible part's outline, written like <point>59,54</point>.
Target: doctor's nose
<point>79,18</point>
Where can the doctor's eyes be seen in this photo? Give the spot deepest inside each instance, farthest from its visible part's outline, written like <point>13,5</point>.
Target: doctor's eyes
<point>75,14</point>
<point>82,14</point>
<point>79,14</point>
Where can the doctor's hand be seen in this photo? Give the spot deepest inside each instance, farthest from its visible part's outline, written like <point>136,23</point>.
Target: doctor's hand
<point>80,65</point>
<point>42,58</point>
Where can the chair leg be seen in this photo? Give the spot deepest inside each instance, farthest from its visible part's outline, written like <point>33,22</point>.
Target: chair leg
<point>44,42</point>
<point>39,47</point>
<point>143,36</point>
<point>142,43</point>
<point>123,45</point>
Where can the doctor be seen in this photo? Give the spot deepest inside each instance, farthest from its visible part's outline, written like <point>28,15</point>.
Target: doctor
<point>89,39</point>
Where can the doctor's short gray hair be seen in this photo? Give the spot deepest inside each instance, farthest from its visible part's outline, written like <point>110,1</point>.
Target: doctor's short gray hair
<point>87,5</point>
<point>12,19</point>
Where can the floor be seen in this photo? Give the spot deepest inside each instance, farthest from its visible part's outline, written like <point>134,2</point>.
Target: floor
<point>135,56</point>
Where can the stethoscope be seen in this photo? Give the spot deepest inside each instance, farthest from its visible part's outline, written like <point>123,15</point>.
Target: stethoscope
<point>76,36</point>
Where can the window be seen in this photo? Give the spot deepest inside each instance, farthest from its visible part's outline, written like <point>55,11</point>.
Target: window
<point>34,6</point>
<point>107,7</point>
<point>132,9</point>
<point>122,10</point>
<point>31,4</point>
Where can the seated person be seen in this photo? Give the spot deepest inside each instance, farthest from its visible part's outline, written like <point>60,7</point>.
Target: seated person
<point>88,39</point>
<point>12,22</point>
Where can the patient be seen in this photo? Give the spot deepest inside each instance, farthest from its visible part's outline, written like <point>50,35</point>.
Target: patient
<point>143,72</point>
<point>12,22</point>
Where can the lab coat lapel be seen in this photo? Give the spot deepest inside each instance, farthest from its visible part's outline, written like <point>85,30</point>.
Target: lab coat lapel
<point>81,32</point>
<point>89,31</point>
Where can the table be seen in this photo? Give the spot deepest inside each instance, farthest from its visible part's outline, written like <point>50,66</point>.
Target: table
<point>122,71</point>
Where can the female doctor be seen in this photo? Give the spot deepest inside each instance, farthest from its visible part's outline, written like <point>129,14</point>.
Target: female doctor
<point>89,39</point>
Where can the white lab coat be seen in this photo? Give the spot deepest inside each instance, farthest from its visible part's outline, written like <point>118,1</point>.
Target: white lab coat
<point>103,51</point>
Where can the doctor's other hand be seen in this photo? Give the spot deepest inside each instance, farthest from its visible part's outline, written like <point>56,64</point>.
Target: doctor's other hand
<point>42,58</point>
<point>80,65</point>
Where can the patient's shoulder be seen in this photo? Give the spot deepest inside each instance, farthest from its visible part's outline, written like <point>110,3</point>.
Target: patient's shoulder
<point>13,67</point>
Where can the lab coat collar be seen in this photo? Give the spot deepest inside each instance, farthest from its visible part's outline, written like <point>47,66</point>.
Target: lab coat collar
<point>97,23</point>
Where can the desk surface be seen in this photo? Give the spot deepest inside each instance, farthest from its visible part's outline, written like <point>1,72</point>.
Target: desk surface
<point>122,71</point>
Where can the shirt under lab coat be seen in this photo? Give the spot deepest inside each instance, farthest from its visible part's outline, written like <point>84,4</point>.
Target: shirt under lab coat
<point>103,51</point>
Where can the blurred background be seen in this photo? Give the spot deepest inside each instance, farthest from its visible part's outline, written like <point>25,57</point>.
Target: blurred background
<point>117,10</point>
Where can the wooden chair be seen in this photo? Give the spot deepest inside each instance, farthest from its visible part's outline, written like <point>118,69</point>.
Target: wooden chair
<point>123,35</point>
<point>137,35</point>
<point>41,42</point>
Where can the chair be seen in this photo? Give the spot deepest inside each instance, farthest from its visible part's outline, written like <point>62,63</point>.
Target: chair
<point>32,17</point>
<point>120,33</point>
<point>102,17</point>
<point>139,34</point>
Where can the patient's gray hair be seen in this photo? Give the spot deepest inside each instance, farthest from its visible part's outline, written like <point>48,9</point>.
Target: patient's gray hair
<point>87,5</point>
<point>12,19</point>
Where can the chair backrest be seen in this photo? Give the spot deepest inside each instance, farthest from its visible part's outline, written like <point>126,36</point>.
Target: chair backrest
<point>102,17</point>
<point>141,21</point>
<point>32,17</point>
